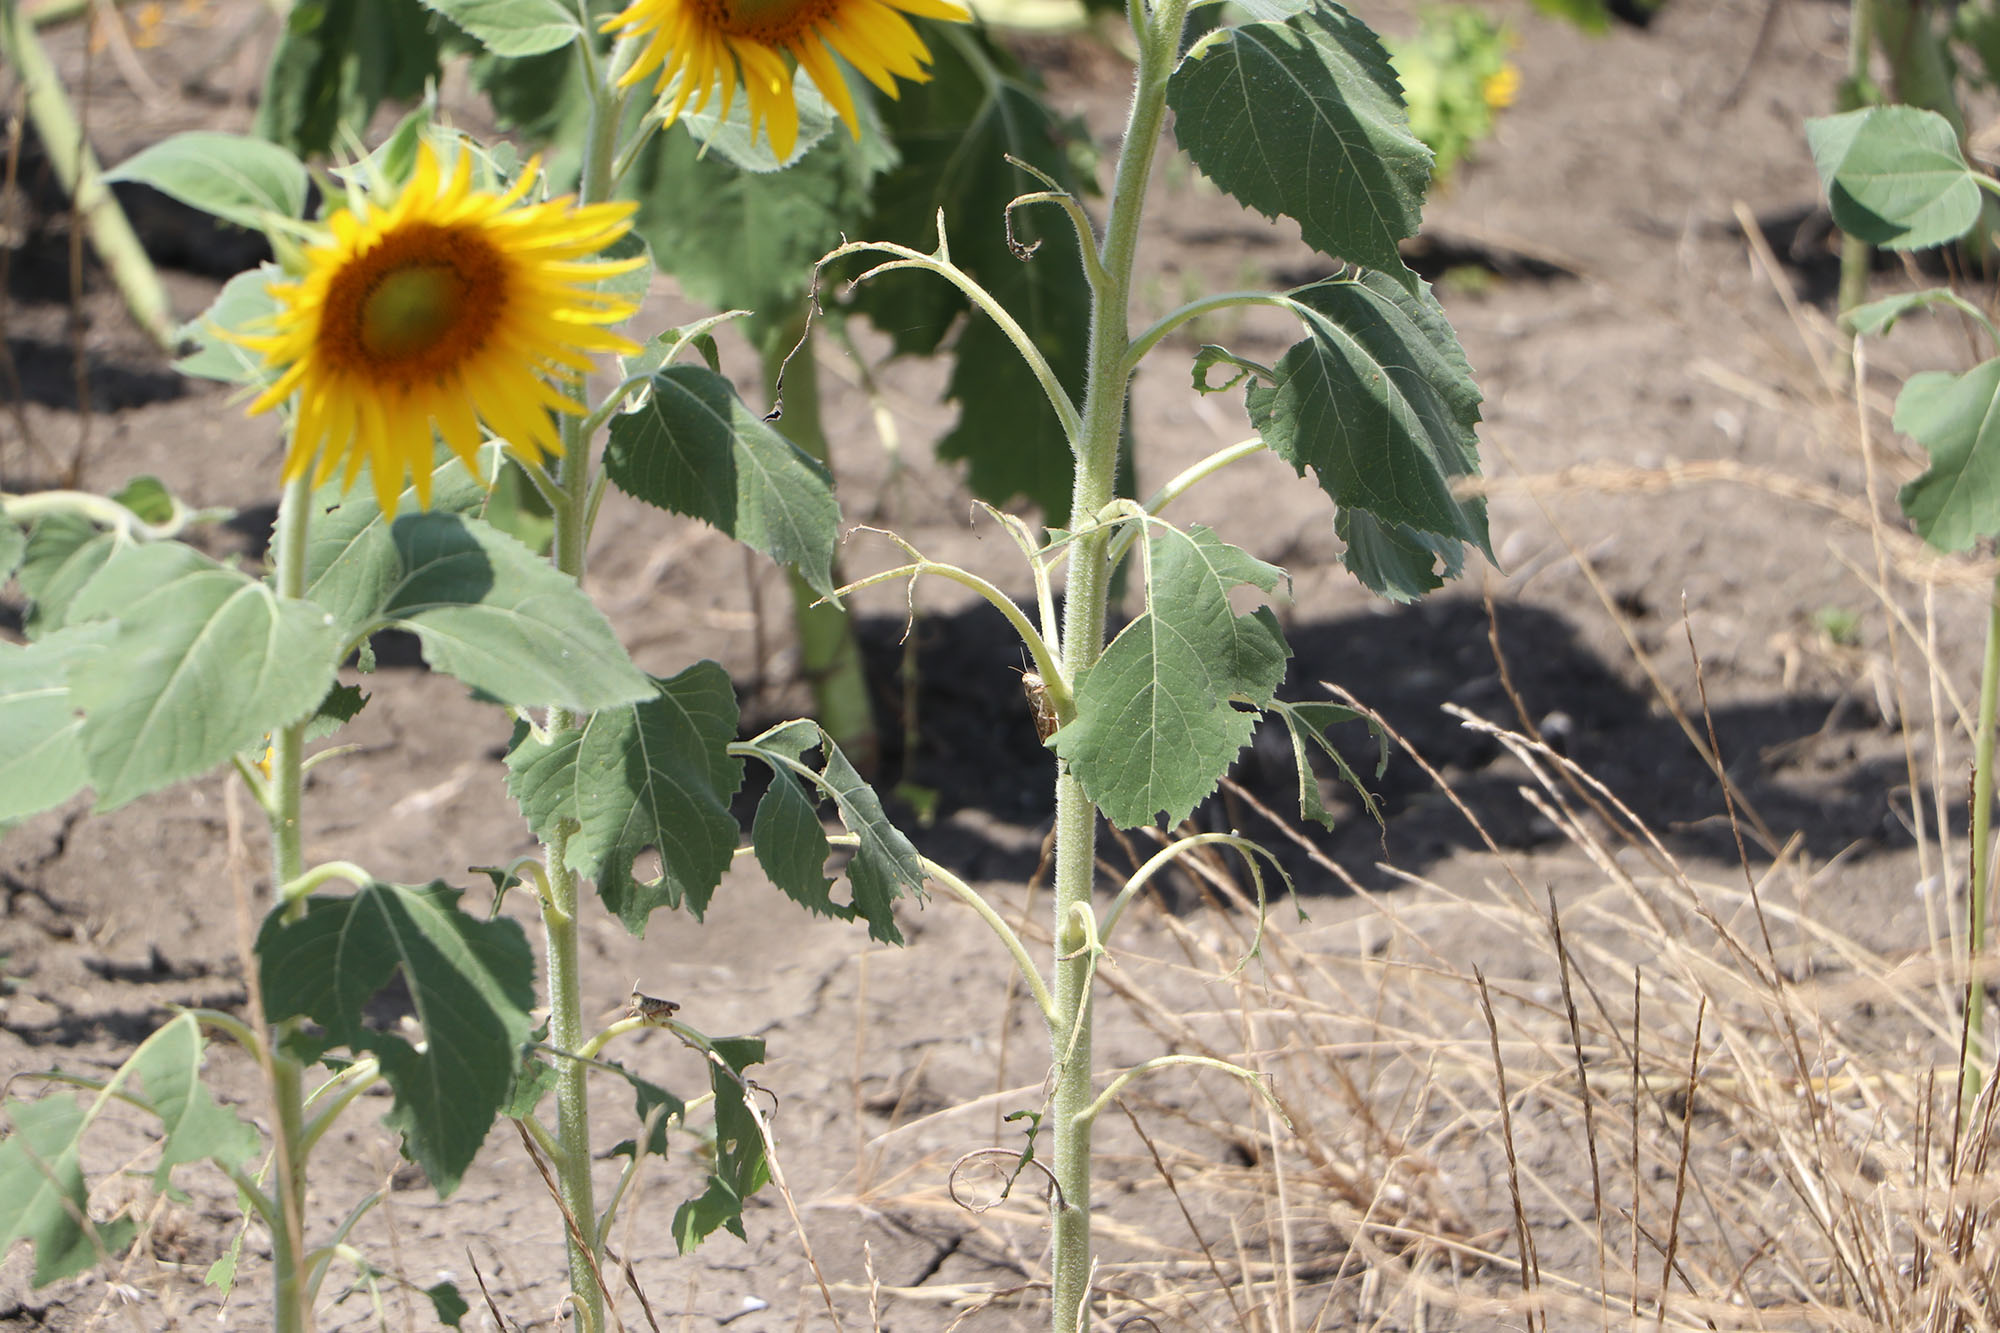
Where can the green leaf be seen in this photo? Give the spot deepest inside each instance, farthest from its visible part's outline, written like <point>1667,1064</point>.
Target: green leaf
<point>42,1192</point>
<point>1155,728</point>
<point>792,847</point>
<point>484,607</point>
<point>657,774</point>
<point>337,61</point>
<point>352,564</point>
<point>64,553</point>
<point>541,777</point>
<point>236,178</point>
<point>148,499</point>
<point>203,663</point>
<point>1304,118</point>
<point>954,134</point>
<point>535,1080</point>
<point>648,1097</point>
<point>41,744</point>
<point>1379,402</point>
<point>694,448</point>
<point>741,1168</point>
<point>447,1304</point>
<point>513,27</point>
<point>884,864</point>
<point>1954,417</point>
<point>193,1127</point>
<point>342,704</point>
<point>1307,723</point>
<point>1394,561</point>
<point>1878,317</point>
<point>244,302</point>
<point>1894,176</point>
<point>470,981</point>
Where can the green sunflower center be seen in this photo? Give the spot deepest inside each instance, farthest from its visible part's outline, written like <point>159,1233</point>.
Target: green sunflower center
<point>417,304</point>
<point>411,310</point>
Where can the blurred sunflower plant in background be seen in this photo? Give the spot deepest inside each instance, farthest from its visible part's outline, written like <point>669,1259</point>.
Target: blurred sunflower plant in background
<point>1457,79</point>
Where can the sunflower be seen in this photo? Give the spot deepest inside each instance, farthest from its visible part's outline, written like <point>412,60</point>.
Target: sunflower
<point>704,42</point>
<point>439,310</point>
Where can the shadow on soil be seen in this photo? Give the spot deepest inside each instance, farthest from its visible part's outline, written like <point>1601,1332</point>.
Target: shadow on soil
<point>1801,761</point>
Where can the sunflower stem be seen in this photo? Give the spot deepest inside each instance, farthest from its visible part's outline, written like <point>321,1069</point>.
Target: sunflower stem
<point>570,506</point>
<point>1083,642</point>
<point>1972,1073</point>
<point>291,1301</point>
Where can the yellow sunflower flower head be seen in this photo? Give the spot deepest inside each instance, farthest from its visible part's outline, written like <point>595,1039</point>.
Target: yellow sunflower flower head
<point>697,44</point>
<point>437,311</point>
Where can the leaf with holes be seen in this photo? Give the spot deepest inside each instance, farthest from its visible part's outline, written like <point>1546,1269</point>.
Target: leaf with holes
<point>471,984</point>
<point>658,774</point>
<point>741,1167</point>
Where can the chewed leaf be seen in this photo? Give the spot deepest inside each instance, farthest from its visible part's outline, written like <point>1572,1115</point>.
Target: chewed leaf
<point>792,848</point>
<point>741,1167</point>
<point>470,981</point>
<point>657,774</point>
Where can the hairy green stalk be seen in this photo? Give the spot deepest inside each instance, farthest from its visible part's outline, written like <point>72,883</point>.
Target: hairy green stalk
<point>291,1301</point>
<point>1972,1072</point>
<point>829,652</point>
<point>1083,643</point>
<point>570,509</point>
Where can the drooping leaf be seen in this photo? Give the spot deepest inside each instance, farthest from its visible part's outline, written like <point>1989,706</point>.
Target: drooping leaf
<point>64,552</point>
<point>1957,501</point>
<point>648,1098</point>
<point>954,135</point>
<point>1394,561</point>
<point>1304,118</point>
<point>1894,176</point>
<point>1307,724</point>
<point>204,661</point>
<point>1378,400</point>
<point>791,846</point>
<point>42,1191</point>
<point>535,1080</point>
<point>513,27</point>
<point>193,1126</point>
<point>41,740</point>
<point>470,981</point>
<point>232,176</point>
<point>786,836</point>
<point>483,606</point>
<point>656,774</point>
<point>1877,318</point>
<point>1155,727</point>
<point>741,1167</point>
<point>337,61</point>
<point>693,447</point>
